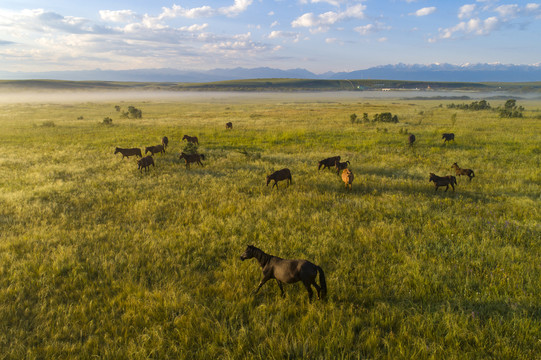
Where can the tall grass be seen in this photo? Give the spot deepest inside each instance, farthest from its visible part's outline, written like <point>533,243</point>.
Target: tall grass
<point>100,260</point>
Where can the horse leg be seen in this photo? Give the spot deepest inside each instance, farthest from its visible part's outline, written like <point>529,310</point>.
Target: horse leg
<point>318,288</point>
<point>266,278</point>
<point>281,287</point>
<point>309,289</point>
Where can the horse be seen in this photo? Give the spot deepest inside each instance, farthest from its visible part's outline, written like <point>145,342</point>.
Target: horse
<point>287,271</point>
<point>328,162</point>
<point>279,175</point>
<point>229,125</point>
<point>459,172</point>
<point>165,141</point>
<point>144,163</point>
<point>347,178</point>
<point>155,149</point>
<point>448,137</point>
<point>341,166</point>
<point>129,152</point>
<point>443,181</point>
<point>191,139</point>
<point>411,139</point>
<point>192,158</point>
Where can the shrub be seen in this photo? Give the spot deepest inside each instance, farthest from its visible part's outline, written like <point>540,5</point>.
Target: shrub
<point>107,121</point>
<point>511,110</point>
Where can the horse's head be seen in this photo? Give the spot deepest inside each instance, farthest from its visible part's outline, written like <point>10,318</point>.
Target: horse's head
<point>453,180</point>
<point>454,166</point>
<point>268,179</point>
<point>117,150</point>
<point>248,253</point>
<point>432,177</point>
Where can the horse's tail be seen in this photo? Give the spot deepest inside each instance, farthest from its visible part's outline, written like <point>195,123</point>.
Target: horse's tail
<point>322,283</point>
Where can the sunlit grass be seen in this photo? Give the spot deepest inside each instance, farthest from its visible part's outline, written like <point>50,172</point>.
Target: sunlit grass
<point>99,259</point>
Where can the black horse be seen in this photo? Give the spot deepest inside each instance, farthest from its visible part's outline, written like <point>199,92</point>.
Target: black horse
<point>287,271</point>
<point>448,137</point>
<point>411,139</point>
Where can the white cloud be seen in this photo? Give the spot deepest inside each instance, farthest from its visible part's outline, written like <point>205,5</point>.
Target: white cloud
<point>117,16</point>
<point>466,11</point>
<point>424,11</point>
<point>371,28</point>
<point>321,23</point>
<point>508,11</point>
<point>277,34</point>
<point>476,26</point>
<point>238,7</point>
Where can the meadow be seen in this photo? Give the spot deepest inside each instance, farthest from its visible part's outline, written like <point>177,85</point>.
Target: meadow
<point>101,261</point>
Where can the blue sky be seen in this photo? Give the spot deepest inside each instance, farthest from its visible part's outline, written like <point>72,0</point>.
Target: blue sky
<point>317,35</point>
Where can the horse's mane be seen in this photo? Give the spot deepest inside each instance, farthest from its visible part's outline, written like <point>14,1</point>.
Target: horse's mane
<point>262,257</point>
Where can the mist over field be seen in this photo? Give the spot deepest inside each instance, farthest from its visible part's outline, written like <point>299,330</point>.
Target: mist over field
<point>17,95</point>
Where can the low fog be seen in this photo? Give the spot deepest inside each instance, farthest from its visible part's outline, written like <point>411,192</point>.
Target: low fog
<point>18,96</point>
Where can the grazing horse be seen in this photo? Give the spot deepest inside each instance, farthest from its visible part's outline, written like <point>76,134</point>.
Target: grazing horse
<point>287,271</point>
<point>411,139</point>
<point>279,175</point>
<point>328,162</point>
<point>155,149</point>
<point>468,172</point>
<point>347,178</point>
<point>192,158</point>
<point>443,181</point>
<point>229,125</point>
<point>341,166</point>
<point>448,137</point>
<point>191,139</point>
<point>129,152</point>
<point>144,163</point>
<point>165,141</point>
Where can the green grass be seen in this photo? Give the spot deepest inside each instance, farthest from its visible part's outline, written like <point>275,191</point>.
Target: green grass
<point>98,260</point>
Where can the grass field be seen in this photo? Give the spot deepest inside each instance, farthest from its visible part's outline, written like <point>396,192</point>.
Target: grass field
<point>99,260</point>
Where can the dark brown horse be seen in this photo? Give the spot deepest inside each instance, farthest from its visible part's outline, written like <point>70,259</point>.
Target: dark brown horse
<point>448,137</point>
<point>229,125</point>
<point>144,163</point>
<point>411,139</point>
<point>328,162</point>
<point>459,172</point>
<point>339,166</point>
<point>192,158</point>
<point>443,181</point>
<point>155,149</point>
<point>287,271</point>
<point>279,175</point>
<point>191,139</point>
<point>129,152</point>
<point>165,141</point>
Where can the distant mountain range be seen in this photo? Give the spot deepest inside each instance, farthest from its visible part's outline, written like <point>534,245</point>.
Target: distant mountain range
<point>416,72</point>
